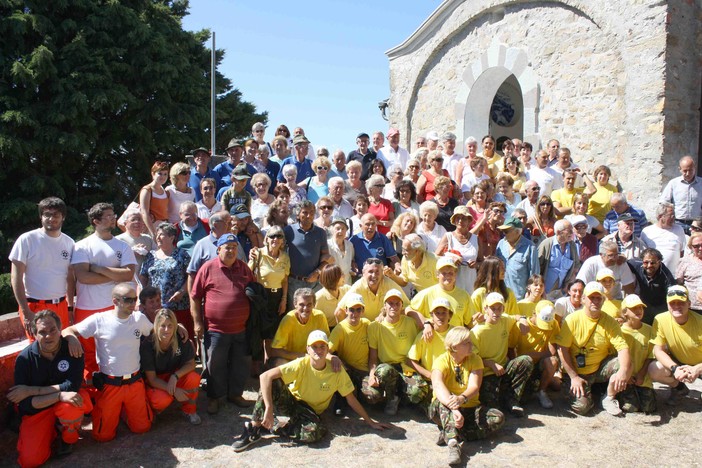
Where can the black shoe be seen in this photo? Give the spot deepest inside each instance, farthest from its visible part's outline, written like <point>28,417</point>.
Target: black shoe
<point>63,449</point>
<point>248,437</point>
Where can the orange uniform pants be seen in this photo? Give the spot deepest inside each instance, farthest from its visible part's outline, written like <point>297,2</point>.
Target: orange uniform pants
<point>160,399</point>
<point>88,343</point>
<point>38,431</point>
<point>61,310</point>
<point>108,407</point>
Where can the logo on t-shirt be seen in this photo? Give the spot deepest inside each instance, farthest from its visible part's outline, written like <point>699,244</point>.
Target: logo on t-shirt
<point>324,387</point>
<point>137,333</point>
<point>65,254</point>
<point>63,365</point>
<point>177,353</point>
<point>402,335</point>
<point>380,252</point>
<point>118,254</point>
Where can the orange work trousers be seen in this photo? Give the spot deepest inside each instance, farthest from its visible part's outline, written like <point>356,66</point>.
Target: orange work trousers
<point>61,310</point>
<point>108,408</point>
<point>160,399</point>
<point>38,431</point>
<point>88,343</point>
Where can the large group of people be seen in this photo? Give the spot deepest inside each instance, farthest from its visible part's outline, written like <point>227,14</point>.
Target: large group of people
<point>460,285</point>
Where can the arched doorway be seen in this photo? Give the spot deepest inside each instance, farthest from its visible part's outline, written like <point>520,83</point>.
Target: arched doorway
<point>507,112</point>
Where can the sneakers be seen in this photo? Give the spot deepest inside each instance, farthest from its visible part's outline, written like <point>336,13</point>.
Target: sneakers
<point>63,449</point>
<point>194,418</point>
<point>212,406</point>
<point>249,436</point>
<point>611,406</point>
<point>454,457</point>
<point>544,400</point>
<point>676,393</point>
<point>392,405</point>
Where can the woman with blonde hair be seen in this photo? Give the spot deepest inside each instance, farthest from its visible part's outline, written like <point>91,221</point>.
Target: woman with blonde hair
<point>263,200</point>
<point>341,248</point>
<point>404,224</point>
<point>325,210</point>
<point>431,231</point>
<point>168,363</point>
<point>318,186</point>
<point>178,192</point>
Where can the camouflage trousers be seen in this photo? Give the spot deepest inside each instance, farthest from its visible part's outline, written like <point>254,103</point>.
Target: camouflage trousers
<point>304,425</point>
<point>508,388</point>
<point>392,381</point>
<point>637,399</point>
<point>582,405</point>
<point>479,421</point>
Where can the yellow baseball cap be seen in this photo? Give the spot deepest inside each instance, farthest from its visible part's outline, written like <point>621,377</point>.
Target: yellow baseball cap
<point>317,336</point>
<point>632,300</point>
<point>494,298</point>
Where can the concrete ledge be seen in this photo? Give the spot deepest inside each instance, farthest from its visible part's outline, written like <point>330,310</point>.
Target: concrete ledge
<point>10,327</point>
<point>8,354</point>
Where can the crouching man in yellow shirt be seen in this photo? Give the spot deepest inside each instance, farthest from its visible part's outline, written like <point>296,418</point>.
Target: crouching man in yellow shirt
<point>309,386</point>
<point>583,346</point>
<point>677,345</point>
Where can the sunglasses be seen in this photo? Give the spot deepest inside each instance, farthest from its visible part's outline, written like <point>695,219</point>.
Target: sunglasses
<point>545,204</point>
<point>128,299</point>
<point>459,375</point>
<point>696,246</point>
<point>184,173</point>
<point>326,207</point>
<point>374,261</point>
<point>438,160</point>
<point>322,168</point>
<point>275,236</point>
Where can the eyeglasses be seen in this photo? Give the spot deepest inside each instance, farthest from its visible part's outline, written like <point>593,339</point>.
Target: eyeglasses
<point>51,214</point>
<point>374,261</point>
<point>322,168</point>
<point>260,184</point>
<point>109,216</point>
<point>413,167</point>
<point>275,236</point>
<point>326,207</point>
<point>459,375</point>
<point>128,299</point>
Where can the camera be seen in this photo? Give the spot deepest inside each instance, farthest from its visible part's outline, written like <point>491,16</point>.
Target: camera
<point>580,360</point>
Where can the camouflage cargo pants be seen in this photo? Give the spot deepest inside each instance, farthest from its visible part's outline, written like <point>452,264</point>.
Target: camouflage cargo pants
<point>304,425</point>
<point>508,388</point>
<point>582,405</point>
<point>480,421</point>
<point>637,399</point>
<point>388,376</point>
<point>418,390</point>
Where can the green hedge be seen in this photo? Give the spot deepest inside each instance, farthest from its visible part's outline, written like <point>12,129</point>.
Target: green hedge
<point>7,299</point>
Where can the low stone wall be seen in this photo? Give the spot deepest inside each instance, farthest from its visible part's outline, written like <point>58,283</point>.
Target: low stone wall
<point>12,341</point>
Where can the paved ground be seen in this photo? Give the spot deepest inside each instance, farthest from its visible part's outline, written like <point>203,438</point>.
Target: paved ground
<point>672,437</point>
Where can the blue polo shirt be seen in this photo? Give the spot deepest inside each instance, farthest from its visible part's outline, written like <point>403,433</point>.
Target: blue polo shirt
<point>304,169</point>
<point>224,171</point>
<point>520,263</point>
<point>196,178</point>
<point>305,248</point>
<point>378,247</point>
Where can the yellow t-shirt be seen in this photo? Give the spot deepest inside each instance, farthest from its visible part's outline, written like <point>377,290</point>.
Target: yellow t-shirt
<point>640,348</point>
<point>315,387</point>
<point>478,297</point>
<point>272,271</point>
<point>425,353</point>
<point>422,277</point>
<point>292,335</point>
<point>599,202</point>
<point>351,343</point>
<point>612,307</point>
<point>491,341</point>
<point>565,197</point>
<point>328,303</point>
<point>577,327</point>
<point>447,366</point>
<point>493,163</point>
<point>536,340</point>
<point>374,302</point>
<point>684,341</point>
<point>527,308</point>
<point>459,299</point>
<point>393,340</point>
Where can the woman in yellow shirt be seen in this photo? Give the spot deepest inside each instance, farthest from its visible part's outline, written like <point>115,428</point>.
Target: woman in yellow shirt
<point>271,267</point>
<point>333,289</point>
<point>599,201</point>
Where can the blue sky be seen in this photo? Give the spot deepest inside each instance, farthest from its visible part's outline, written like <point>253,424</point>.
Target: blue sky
<point>320,65</point>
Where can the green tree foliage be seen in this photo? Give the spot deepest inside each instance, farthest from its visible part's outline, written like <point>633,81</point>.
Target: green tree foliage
<point>92,92</point>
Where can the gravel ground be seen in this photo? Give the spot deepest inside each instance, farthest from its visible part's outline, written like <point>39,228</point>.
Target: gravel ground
<point>554,437</point>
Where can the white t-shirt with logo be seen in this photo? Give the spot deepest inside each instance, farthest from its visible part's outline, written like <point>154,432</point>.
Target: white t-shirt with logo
<point>117,340</point>
<point>113,253</point>
<point>47,260</point>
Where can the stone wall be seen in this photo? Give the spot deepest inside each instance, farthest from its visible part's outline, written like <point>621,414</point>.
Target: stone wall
<point>594,72</point>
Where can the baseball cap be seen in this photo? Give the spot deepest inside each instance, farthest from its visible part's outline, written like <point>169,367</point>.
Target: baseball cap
<point>494,298</point>
<point>300,140</point>
<point>392,132</point>
<point>339,220</point>
<point>445,261</point>
<point>460,210</point>
<point>441,302</point>
<point>233,143</point>
<point>240,211</point>
<point>433,135</point>
<point>546,317</point>
<point>625,217</point>
<point>603,273</point>
<point>578,219</point>
<point>511,223</point>
<point>353,299</point>
<point>240,172</point>
<point>316,336</point>
<point>632,300</point>
<point>362,135</point>
<point>392,293</point>
<point>227,239</point>
<point>593,287</point>
<point>201,149</point>
<point>677,293</point>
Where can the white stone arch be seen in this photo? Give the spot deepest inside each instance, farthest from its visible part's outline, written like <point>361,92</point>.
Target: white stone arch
<point>480,83</point>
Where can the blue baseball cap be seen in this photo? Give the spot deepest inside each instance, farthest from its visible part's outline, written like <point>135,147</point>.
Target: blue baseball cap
<point>226,239</point>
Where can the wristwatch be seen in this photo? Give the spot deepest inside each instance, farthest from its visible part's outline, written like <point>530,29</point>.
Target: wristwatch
<point>428,322</point>
<point>673,368</point>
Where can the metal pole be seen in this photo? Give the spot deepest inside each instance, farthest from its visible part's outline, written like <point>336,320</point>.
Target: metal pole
<point>213,70</point>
